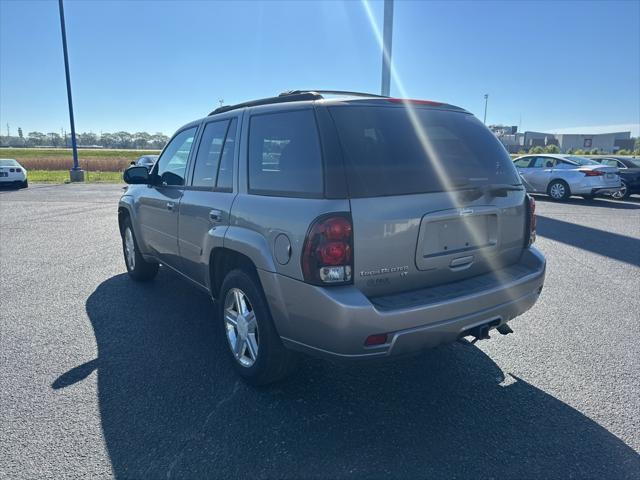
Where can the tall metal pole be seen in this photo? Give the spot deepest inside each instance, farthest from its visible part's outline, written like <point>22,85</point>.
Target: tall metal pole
<point>486,100</point>
<point>74,146</point>
<point>387,35</point>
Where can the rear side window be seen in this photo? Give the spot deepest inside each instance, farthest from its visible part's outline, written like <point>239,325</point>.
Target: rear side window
<point>389,152</point>
<point>284,154</point>
<point>214,162</point>
<point>206,168</point>
<point>544,162</point>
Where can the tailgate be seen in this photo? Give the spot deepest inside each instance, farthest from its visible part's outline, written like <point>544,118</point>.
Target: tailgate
<point>454,238</point>
<point>415,241</point>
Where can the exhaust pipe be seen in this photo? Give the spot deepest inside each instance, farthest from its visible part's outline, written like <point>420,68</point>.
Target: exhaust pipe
<point>504,329</point>
<point>481,332</point>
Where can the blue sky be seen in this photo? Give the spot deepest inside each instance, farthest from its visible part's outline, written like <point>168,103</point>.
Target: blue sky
<point>153,66</point>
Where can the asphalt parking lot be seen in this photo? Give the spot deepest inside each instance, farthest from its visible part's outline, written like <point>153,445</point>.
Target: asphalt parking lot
<point>100,376</point>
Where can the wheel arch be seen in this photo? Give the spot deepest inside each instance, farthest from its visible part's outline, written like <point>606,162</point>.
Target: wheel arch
<point>222,260</point>
<point>558,179</point>
<point>125,210</point>
<point>123,213</point>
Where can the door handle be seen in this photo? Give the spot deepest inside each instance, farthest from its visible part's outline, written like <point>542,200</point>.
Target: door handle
<point>170,206</point>
<point>215,216</point>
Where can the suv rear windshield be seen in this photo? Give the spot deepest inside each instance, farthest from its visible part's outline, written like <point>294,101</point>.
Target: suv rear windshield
<point>386,155</point>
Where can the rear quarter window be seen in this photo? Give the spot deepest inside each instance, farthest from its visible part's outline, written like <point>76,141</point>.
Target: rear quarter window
<point>284,154</point>
<point>390,151</point>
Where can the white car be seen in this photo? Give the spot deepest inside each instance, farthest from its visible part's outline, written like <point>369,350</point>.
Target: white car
<point>12,173</point>
<point>147,161</point>
<point>561,176</point>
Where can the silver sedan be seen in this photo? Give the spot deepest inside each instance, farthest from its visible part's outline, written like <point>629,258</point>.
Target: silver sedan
<point>146,161</point>
<point>561,176</point>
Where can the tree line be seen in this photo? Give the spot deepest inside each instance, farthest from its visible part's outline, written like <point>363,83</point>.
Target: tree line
<point>137,140</point>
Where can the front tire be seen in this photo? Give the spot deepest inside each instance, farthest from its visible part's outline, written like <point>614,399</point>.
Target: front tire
<point>138,268</point>
<point>253,343</point>
<point>623,193</point>
<point>559,190</point>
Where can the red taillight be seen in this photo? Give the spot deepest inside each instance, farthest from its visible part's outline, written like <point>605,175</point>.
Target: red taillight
<point>531,220</point>
<point>592,173</point>
<point>334,253</point>
<point>338,228</point>
<point>327,255</point>
<point>377,339</point>
<point>416,102</point>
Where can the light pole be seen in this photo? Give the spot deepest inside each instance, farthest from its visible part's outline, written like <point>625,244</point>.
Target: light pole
<point>387,35</point>
<point>76,174</point>
<point>486,100</point>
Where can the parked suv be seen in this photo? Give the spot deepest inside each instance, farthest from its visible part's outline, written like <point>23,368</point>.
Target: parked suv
<point>349,227</point>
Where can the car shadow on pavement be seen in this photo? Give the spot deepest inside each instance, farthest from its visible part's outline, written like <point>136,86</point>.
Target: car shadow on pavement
<point>613,245</point>
<point>172,407</point>
<point>628,204</point>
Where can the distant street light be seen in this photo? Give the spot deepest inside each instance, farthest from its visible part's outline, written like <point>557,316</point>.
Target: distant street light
<point>387,35</point>
<point>486,100</point>
<point>76,174</point>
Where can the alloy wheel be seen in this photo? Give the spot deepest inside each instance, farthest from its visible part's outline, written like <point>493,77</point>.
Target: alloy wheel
<point>620,194</point>
<point>557,190</point>
<point>129,249</point>
<point>241,327</point>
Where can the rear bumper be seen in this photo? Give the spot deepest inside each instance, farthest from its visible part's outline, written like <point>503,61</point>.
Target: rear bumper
<point>595,186</point>
<point>13,177</point>
<point>4,181</point>
<point>334,322</point>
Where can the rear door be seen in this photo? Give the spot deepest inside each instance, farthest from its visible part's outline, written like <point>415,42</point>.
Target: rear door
<point>424,199</point>
<point>206,204</point>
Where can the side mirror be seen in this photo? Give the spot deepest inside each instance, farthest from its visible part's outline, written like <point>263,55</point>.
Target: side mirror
<point>136,176</point>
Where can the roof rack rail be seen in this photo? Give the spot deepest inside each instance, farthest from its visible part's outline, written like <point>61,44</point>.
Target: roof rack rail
<point>333,92</point>
<point>293,97</point>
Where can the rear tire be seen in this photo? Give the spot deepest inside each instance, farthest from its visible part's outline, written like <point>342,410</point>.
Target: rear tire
<point>253,343</point>
<point>24,184</point>
<point>138,268</point>
<point>558,190</point>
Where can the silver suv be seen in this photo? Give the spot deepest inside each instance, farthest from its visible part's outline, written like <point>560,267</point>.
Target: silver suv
<point>348,226</point>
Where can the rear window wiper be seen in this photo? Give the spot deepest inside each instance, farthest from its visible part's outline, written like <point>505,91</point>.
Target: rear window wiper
<point>501,189</point>
<point>495,190</point>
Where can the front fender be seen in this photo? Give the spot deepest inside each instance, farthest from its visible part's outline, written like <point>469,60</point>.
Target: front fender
<point>127,203</point>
